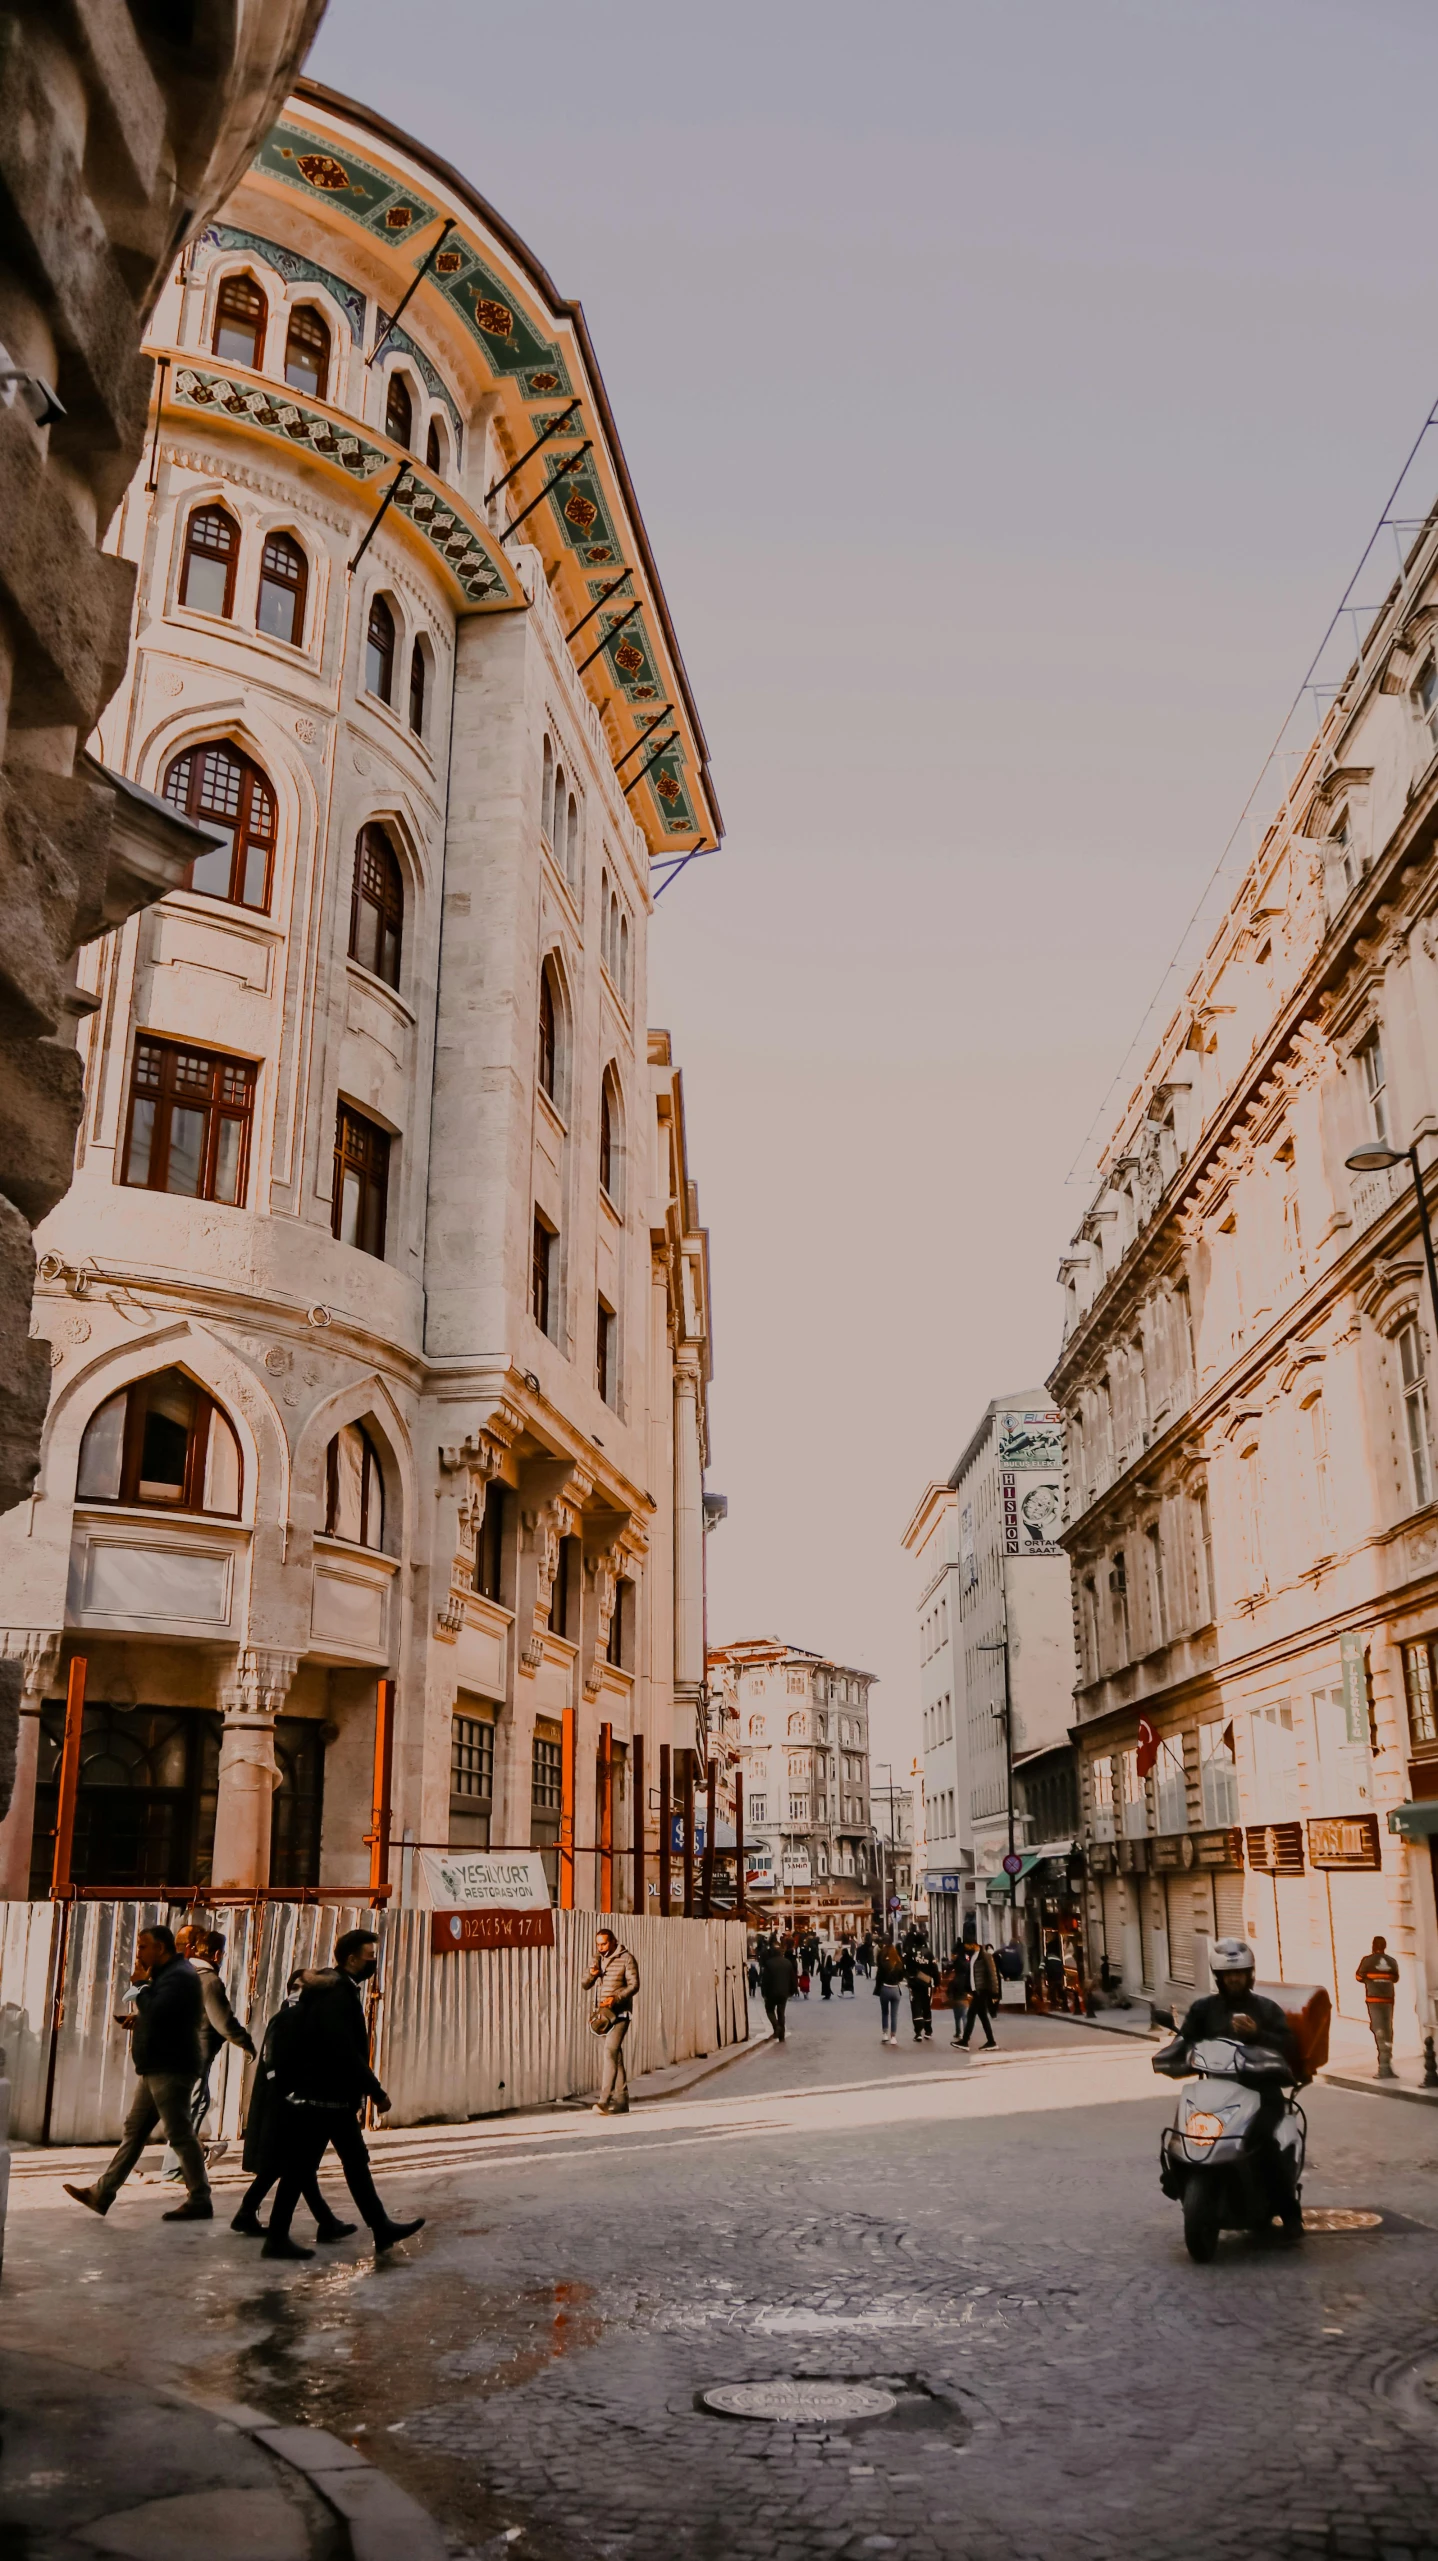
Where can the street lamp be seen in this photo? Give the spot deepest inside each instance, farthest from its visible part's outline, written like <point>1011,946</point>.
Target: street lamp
<point>893,1847</point>
<point>1378,1160</point>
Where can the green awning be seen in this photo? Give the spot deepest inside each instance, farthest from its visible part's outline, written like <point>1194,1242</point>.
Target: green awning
<point>996,1888</point>
<point>1415,1822</point>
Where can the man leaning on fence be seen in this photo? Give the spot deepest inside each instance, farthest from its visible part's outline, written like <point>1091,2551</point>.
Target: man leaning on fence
<point>168,2054</point>
<point>614,1978</point>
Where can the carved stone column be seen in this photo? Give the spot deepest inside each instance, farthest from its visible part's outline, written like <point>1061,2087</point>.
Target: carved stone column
<point>251,1698</point>
<point>36,1652</point>
<point>476,1461</point>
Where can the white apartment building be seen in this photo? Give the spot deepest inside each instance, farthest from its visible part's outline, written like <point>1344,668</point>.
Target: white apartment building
<point>932,1539</point>
<point>802,1725</point>
<point>1246,1376</point>
<point>378,1314</point>
<point>1012,1594</point>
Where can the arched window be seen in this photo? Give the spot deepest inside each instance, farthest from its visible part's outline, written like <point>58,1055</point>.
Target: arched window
<point>354,1488</point>
<point>433,448</point>
<point>377,906</point>
<point>307,352</point>
<point>416,689</point>
<point>546,797</point>
<point>398,411</point>
<point>570,855</point>
<point>284,576</point>
<point>162,1441</point>
<point>548,1035</point>
<point>624,957</point>
<point>611,1139</point>
<point>555,830</point>
<point>379,650</point>
<point>212,548</point>
<point>223,789</point>
<point>240,314</point>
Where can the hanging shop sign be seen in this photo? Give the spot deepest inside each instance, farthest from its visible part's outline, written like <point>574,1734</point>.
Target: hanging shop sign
<point>1219,1849</point>
<point>1173,1850</point>
<point>1276,1848</point>
<point>1345,1840</point>
<point>485,1880</point>
<point>1102,1858</point>
<point>1033,1512</point>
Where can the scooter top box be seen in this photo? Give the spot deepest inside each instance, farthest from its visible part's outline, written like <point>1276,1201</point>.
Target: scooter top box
<point>1308,2009</point>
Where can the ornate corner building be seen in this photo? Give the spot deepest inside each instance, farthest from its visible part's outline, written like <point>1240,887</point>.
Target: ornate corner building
<point>1247,1377</point>
<point>801,1727</point>
<point>378,1313</point>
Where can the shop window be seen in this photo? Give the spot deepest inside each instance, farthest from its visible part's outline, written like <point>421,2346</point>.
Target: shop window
<point>161,1441</point>
<point>284,576</point>
<point>240,315</point>
<point>307,352</point>
<point>212,551</point>
<point>471,1780</point>
<point>361,1181</point>
<point>546,1792</point>
<point>145,1808</point>
<point>297,1808</point>
<point>1170,1787</point>
<point>354,1488</point>
<point>188,1125</point>
<point>377,906</point>
<point>224,791</point>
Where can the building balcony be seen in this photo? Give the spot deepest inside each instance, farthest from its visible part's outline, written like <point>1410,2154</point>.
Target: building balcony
<point>350,1603</point>
<point>136,1571</point>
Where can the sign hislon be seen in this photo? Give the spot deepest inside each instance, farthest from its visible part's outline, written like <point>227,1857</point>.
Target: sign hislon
<point>483,1880</point>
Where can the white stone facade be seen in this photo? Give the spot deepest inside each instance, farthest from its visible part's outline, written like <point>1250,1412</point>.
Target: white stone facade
<point>932,1539</point>
<point>379,1158</point>
<point>1246,1376</point>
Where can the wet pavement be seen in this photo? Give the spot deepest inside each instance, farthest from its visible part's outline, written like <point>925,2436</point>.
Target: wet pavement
<point>982,2238</point>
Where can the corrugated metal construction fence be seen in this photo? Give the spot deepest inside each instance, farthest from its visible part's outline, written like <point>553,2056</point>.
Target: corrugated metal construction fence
<point>467,2034</point>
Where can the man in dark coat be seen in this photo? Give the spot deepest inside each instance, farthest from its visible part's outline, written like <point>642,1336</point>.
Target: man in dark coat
<point>322,2078</point>
<point>960,1980</point>
<point>167,2051</point>
<point>778,1981</point>
<point>923,1975</point>
<point>1236,2010</point>
<point>264,2146</point>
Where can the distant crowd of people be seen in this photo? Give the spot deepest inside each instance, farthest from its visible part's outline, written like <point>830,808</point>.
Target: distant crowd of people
<point>785,1965</point>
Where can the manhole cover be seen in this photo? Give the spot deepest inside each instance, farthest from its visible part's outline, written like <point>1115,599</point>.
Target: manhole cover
<point>797,2401</point>
<point>1340,2218</point>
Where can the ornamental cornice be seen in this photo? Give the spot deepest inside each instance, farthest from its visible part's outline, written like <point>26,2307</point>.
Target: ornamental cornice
<point>295,495</point>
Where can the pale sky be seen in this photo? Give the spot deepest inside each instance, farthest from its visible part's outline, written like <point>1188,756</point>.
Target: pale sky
<point>1009,386</point>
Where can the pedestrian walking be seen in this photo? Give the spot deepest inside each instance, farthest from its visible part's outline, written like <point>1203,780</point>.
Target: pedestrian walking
<point>866,1955</point>
<point>263,2150</point>
<point>1054,1975</point>
<point>614,1979</point>
<point>804,1977</point>
<point>168,2056</point>
<point>754,1977</point>
<point>888,1984</point>
<point>983,1994</point>
<point>846,1972</point>
<point>923,1976</point>
<point>959,1982</point>
<point>204,1949</point>
<point>1378,1974</point>
<point>779,1981</point>
<point>827,1971</point>
<point>322,2078</point>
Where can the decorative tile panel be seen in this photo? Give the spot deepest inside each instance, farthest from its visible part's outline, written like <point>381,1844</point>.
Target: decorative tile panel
<point>319,167</point>
<point>223,238</point>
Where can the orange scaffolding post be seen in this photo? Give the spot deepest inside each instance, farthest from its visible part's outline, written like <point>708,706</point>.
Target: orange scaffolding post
<point>641,1808</point>
<point>381,1812</point>
<point>69,1777</point>
<point>566,1814</point>
<point>605,1774</point>
<point>739,1877</point>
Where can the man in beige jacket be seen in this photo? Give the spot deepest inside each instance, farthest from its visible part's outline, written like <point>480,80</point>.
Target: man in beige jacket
<point>614,1979</point>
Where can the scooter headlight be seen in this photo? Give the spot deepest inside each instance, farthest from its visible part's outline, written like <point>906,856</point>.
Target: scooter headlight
<point>1202,2128</point>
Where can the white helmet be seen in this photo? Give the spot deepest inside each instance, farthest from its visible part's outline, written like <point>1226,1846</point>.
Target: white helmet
<point>1232,1956</point>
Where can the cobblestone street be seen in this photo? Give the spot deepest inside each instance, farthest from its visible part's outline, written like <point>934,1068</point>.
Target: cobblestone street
<point>984,2236</point>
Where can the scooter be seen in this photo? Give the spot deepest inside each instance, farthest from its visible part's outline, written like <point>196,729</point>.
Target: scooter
<point>1228,2174</point>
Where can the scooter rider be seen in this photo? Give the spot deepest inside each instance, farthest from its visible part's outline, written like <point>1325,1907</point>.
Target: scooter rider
<point>1236,2010</point>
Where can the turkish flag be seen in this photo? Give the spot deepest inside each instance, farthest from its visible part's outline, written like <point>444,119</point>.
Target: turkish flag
<point>1147,1746</point>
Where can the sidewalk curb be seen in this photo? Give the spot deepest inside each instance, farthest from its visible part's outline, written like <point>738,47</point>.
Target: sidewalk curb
<point>1379,2089</point>
<point>379,2517</point>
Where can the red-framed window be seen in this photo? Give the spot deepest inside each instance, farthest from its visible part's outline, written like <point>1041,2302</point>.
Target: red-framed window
<point>220,786</point>
<point>187,1127</point>
<point>212,551</point>
<point>361,1181</point>
<point>377,906</point>
<point>284,578</point>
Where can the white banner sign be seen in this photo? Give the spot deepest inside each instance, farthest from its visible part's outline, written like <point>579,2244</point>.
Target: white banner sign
<point>796,1868</point>
<point>485,1880</point>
